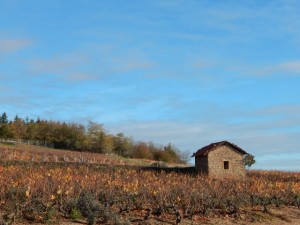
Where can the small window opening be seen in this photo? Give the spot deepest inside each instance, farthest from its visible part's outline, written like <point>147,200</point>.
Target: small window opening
<point>226,165</point>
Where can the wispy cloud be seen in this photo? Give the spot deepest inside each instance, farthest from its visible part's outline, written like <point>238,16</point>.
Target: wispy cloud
<point>235,21</point>
<point>115,59</point>
<point>55,64</point>
<point>131,63</point>
<point>283,161</point>
<point>13,45</point>
<point>15,100</point>
<point>90,63</point>
<point>286,68</point>
<point>186,72</point>
<point>72,67</point>
<point>283,68</point>
<point>251,131</point>
<point>77,77</point>
<point>283,109</point>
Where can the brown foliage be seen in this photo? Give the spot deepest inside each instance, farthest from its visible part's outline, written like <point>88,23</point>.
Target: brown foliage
<point>120,196</point>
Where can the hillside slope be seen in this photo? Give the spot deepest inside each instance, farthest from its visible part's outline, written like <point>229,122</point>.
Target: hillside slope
<point>31,153</point>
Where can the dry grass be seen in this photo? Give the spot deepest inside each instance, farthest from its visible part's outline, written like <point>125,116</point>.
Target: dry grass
<point>93,189</point>
<point>30,153</point>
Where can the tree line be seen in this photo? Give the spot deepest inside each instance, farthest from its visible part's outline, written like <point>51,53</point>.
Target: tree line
<point>92,138</point>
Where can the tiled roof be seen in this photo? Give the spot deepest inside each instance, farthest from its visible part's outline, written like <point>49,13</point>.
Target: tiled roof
<point>206,149</point>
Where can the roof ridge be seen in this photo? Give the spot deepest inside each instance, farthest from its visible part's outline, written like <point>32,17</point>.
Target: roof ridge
<point>206,149</point>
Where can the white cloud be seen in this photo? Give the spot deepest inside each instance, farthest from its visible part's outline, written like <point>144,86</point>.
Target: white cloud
<point>74,77</point>
<point>14,100</point>
<point>89,63</point>
<point>13,45</point>
<point>292,67</point>
<point>55,64</point>
<point>257,136</point>
<point>281,161</point>
<point>114,59</point>
<point>4,89</point>
<point>286,68</point>
<point>69,68</point>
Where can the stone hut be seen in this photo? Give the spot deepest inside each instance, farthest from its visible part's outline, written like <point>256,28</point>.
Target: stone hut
<point>220,159</point>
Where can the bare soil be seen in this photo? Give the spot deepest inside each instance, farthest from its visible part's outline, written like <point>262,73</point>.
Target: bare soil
<point>275,216</point>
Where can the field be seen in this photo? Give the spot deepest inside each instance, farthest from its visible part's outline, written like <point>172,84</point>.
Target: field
<point>56,189</point>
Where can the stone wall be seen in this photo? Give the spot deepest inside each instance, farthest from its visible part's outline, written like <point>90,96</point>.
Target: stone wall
<point>216,160</point>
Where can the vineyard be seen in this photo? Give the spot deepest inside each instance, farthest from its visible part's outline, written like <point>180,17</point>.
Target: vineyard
<point>30,153</point>
<point>37,191</point>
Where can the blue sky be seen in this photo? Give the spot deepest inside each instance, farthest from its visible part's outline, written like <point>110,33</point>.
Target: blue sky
<point>186,72</point>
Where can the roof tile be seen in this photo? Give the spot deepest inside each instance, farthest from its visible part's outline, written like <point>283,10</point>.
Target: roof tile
<point>206,149</point>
